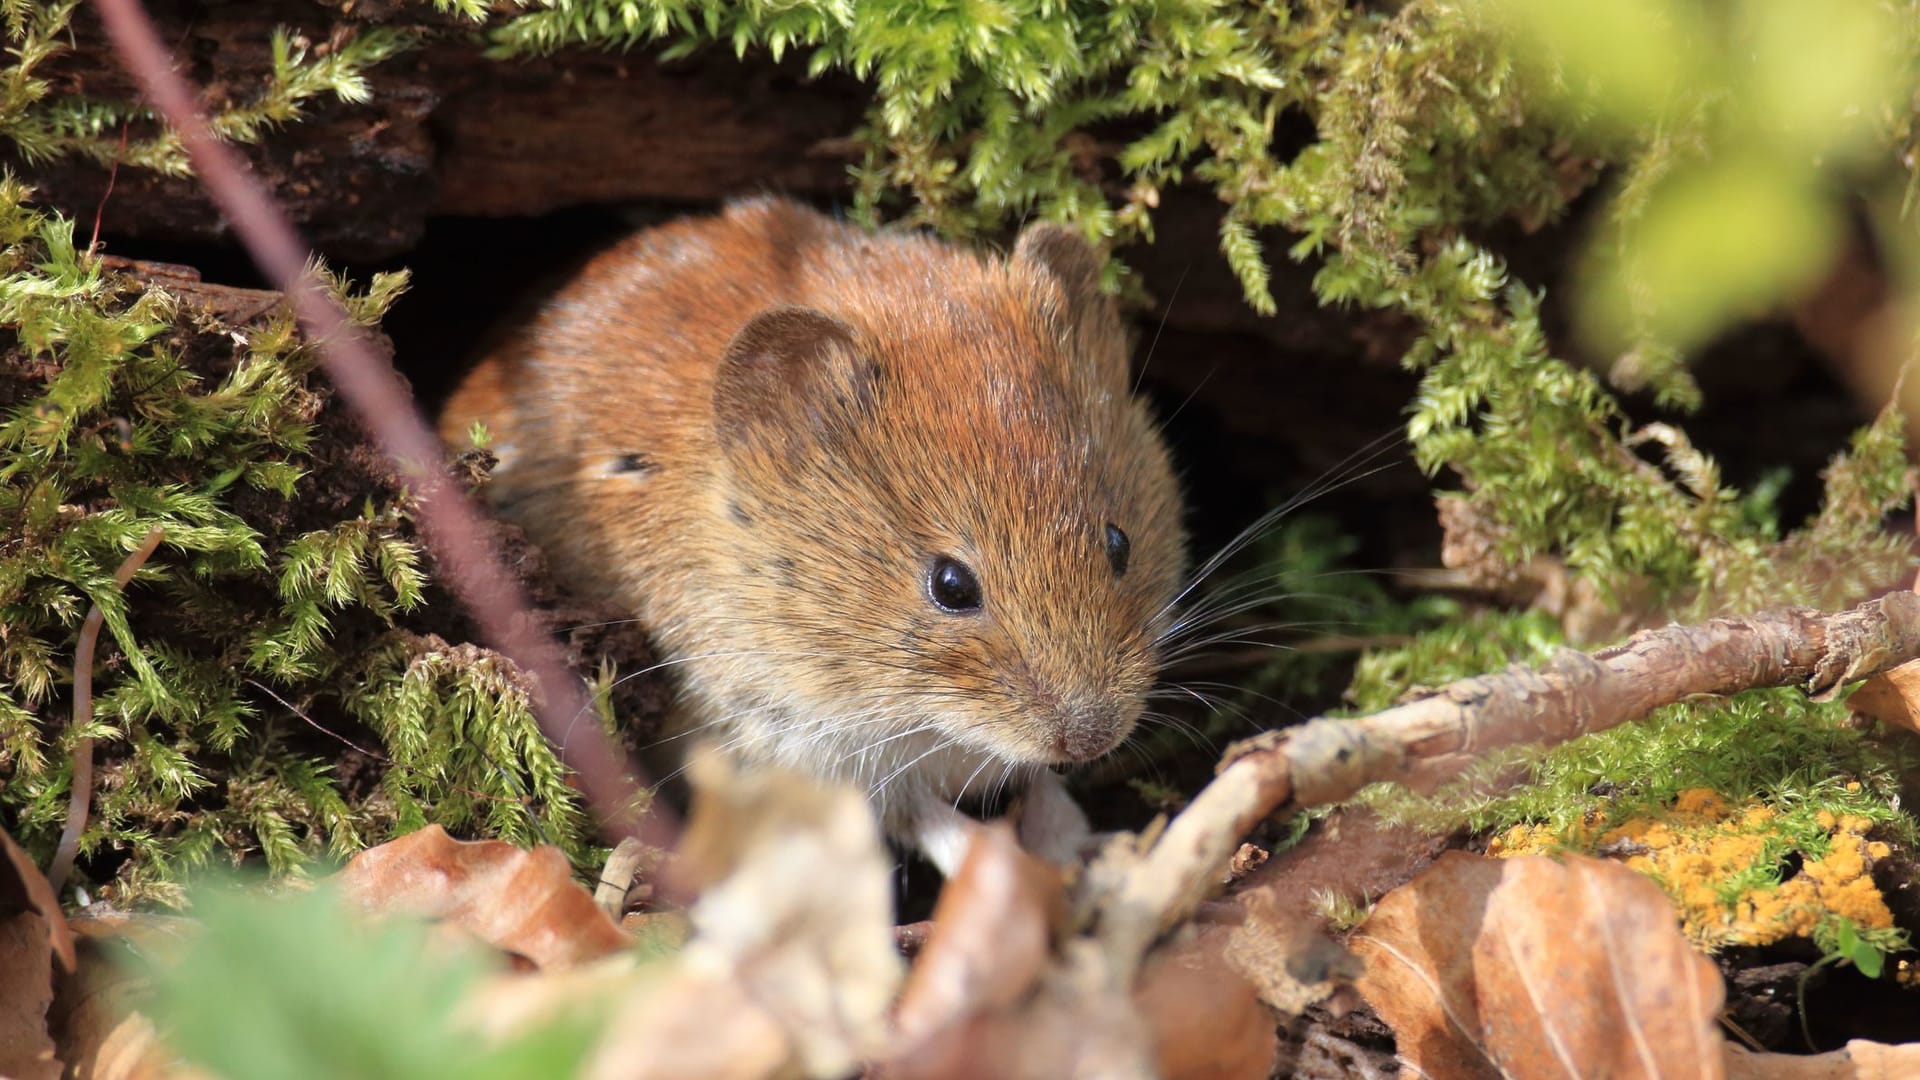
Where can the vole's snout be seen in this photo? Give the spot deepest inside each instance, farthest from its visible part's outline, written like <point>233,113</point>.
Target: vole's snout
<point>1086,730</point>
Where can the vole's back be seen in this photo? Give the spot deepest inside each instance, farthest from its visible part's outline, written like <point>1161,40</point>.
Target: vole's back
<point>888,503</point>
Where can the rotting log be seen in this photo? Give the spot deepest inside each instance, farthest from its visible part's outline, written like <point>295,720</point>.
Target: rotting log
<point>449,131</point>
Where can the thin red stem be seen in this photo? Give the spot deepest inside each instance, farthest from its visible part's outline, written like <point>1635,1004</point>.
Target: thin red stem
<point>452,527</point>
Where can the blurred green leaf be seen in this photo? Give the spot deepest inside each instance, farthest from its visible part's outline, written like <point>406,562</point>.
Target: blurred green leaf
<point>292,987</point>
<point>1819,72</point>
<point>1713,242</point>
<point>1624,61</point>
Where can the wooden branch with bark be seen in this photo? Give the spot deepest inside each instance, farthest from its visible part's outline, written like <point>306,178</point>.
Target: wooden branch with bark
<point>1574,694</point>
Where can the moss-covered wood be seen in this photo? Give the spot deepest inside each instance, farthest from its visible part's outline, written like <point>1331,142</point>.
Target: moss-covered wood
<point>278,679</point>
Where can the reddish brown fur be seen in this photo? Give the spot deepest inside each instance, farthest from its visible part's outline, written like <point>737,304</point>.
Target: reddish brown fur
<point>801,469</point>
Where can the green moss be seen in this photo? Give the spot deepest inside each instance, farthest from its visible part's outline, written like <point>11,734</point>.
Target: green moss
<point>271,630</point>
<point>42,124</point>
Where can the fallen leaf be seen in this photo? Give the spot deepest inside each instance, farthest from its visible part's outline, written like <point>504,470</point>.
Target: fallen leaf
<point>23,886</point>
<point>797,908</point>
<point>702,1025</point>
<point>989,940</point>
<point>988,996</point>
<point>1208,1023</point>
<point>1281,945</point>
<point>1536,967</point>
<point>1858,1060</point>
<point>1891,697</point>
<point>519,901</point>
<point>100,1035</point>
<point>26,990</point>
<point>1286,954</point>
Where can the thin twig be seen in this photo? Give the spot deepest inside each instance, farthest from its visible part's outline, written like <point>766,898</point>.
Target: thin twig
<point>113,173</point>
<point>453,529</point>
<point>80,787</point>
<point>1575,693</point>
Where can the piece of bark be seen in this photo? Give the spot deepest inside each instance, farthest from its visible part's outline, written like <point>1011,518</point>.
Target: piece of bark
<point>449,131</point>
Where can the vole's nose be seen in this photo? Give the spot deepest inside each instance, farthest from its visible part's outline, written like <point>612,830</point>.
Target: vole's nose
<point>1085,730</point>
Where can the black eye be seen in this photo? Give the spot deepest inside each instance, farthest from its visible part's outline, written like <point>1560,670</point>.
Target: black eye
<point>952,586</point>
<point>1117,549</point>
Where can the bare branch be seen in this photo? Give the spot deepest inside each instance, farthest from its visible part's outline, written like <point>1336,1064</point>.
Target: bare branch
<point>1327,760</point>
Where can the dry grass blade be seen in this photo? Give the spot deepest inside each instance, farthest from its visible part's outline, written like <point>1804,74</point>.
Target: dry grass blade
<point>80,793</point>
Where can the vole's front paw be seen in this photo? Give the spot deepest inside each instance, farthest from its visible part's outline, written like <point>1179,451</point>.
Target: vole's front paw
<point>1052,826</point>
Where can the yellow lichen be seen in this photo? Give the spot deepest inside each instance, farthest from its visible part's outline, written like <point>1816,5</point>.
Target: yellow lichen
<point>1701,849</point>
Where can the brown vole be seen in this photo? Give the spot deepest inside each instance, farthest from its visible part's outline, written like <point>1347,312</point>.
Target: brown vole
<point>888,505</point>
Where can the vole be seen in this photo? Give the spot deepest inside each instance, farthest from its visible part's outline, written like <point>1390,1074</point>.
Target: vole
<point>888,505</point>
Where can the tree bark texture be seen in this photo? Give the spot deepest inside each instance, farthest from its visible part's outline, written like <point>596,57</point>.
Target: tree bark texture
<point>450,132</point>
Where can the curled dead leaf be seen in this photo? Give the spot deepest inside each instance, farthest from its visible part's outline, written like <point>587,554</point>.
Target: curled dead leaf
<point>797,909</point>
<point>1535,967</point>
<point>990,997</point>
<point>1891,697</point>
<point>101,1036</point>
<point>989,941</point>
<point>520,901</point>
<point>24,887</point>
<point>1208,1022</point>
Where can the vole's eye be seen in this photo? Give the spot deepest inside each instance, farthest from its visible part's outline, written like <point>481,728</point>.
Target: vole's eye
<point>952,586</point>
<point>1117,549</point>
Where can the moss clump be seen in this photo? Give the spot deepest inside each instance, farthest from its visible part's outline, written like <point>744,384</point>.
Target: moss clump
<point>262,686</point>
<point>42,124</point>
<point>1726,864</point>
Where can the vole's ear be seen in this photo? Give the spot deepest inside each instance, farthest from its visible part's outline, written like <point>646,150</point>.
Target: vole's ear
<point>1064,255</point>
<point>791,377</point>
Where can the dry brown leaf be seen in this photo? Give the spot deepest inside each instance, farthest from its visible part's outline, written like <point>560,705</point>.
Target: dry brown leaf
<point>522,902</point>
<point>702,1026</point>
<point>24,887</point>
<point>790,967</point>
<point>100,1036</point>
<point>797,909</point>
<point>1281,945</point>
<point>1060,1030</point>
<point>26,991</point>
<point>989,942</point>
<point>983,1001</point>
<point>1286,954</point>
<point>662,1023</point>
<point>1208,1023</point>
<point>1858,1060</point>
<point>1891,697</point>
<point>1535,967</point>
